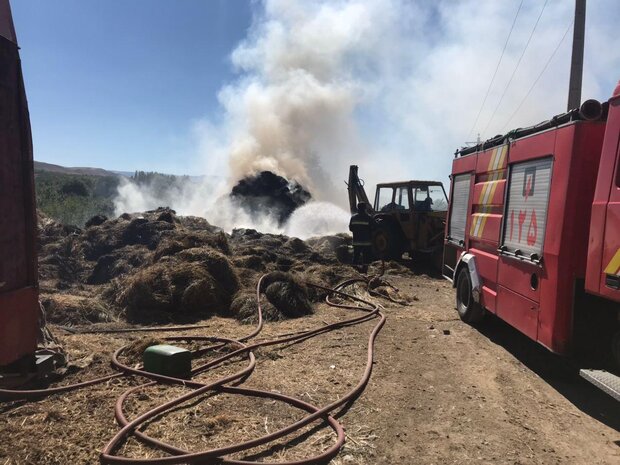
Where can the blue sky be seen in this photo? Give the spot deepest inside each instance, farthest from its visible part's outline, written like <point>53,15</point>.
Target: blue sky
<point>118,84</point>
<point>391,85</point>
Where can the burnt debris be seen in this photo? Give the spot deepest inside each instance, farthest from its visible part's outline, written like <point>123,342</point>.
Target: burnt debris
<point>266,193</point>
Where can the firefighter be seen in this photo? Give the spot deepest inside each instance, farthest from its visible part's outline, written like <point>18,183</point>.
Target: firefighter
<point>361,226</point>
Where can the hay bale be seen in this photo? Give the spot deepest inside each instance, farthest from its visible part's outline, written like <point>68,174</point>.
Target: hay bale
<point>216,263</point>
<point>96,221</point>
<point>168,247</point>
<point>269,193</point>
<point>196,285</point>
<point>101,240</point>
<point>243,234</point>
<point>143,231</point>
<point>65,309</point>
<point>252,262</point>
<point>167,214</point>
<point>297,245</point>
<point>149,289</point>
<point>265,255</point>
<point>287,294</point>
<point>104,270</point>
<point>197,223</point>
<point>329,244</point>
<point>284,263</point>
<point>245,309</point>
<point>181,241</point>
<point>118,263</point>
<point>328,276</point>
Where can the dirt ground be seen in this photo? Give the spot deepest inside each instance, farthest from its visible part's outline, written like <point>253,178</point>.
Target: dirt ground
<point>441,392</point>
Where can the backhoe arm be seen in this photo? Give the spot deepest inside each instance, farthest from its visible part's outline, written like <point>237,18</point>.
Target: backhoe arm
<point>356,190</point>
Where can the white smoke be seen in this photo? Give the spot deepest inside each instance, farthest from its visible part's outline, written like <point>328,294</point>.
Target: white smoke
<point>316,219</point>
<point>393,86</point>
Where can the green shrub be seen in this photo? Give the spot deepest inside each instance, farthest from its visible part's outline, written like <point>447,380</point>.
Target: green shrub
<point>72,198</point>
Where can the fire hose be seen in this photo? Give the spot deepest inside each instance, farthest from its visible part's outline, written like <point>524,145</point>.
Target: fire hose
<point>229,384</point>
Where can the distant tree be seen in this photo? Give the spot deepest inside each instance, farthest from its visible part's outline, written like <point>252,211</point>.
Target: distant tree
<point>75,187</point>
<point>73,199</point>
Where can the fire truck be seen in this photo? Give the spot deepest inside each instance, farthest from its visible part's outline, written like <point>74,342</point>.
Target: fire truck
<point>533,230</point>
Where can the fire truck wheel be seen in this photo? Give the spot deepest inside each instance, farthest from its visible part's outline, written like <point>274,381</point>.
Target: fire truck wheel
<point>469,310</point>
<point>385,243</point>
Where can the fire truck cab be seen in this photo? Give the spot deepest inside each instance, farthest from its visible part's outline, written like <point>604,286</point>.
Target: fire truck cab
<point>534,226</point>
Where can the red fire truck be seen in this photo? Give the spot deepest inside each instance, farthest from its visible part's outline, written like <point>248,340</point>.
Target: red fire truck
<point>533,228</point>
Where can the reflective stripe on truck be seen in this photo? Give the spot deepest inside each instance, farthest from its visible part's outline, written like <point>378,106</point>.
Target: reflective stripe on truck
<point>613,267</point>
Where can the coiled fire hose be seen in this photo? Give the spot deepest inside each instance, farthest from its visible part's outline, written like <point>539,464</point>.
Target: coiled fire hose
<point>229,384</point>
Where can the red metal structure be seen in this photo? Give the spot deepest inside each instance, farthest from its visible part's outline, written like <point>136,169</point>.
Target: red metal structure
<point>534,220</point>
<point>19,307</point>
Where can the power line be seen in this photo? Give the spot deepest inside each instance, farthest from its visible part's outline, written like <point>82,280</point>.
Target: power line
<point>539,76</point>
<point>496,69</point>
<point>514,71</point>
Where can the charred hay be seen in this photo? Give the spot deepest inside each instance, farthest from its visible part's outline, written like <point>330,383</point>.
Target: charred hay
<point>287,294</point>
<point>266,192</point>
<point>180,289</point>
<point>157,266</point>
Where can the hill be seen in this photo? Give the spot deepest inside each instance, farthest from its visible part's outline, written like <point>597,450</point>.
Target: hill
<point>42,166</point>
<point>73,195</point>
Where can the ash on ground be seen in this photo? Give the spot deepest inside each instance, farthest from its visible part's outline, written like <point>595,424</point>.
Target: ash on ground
<point>266,193</point>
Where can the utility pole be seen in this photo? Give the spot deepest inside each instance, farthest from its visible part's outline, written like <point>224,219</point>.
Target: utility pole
<point>576,66</point>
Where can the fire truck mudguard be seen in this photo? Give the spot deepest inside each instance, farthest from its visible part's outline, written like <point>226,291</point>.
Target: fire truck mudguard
<point>469,261</point>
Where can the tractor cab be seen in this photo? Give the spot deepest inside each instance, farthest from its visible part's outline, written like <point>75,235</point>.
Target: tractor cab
<point>410,216</point>
<point>411,197</point>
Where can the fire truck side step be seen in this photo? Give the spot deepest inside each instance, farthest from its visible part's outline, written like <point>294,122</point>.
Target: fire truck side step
<point>604,380</point>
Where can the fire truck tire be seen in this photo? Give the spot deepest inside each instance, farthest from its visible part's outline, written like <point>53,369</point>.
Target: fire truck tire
<point>469,310</point>
<point>386,243</point>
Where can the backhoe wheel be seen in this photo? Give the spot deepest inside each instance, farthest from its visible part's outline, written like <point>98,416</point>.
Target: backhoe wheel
<point>469,310</point>
<point>386,244</point>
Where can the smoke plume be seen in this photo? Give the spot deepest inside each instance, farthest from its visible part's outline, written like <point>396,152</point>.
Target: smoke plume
<point>393,86</point>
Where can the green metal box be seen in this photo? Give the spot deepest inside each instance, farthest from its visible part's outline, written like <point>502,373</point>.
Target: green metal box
<point>168,360</point>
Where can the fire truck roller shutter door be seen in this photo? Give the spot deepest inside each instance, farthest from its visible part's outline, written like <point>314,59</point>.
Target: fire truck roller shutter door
<point>526,214</point>
<point>460,203</point>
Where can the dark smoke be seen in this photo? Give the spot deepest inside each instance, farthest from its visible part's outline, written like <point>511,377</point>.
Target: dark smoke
<point>268,193</point>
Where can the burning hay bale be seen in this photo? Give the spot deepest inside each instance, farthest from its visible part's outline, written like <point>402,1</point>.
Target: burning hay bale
<point>266,192</point>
